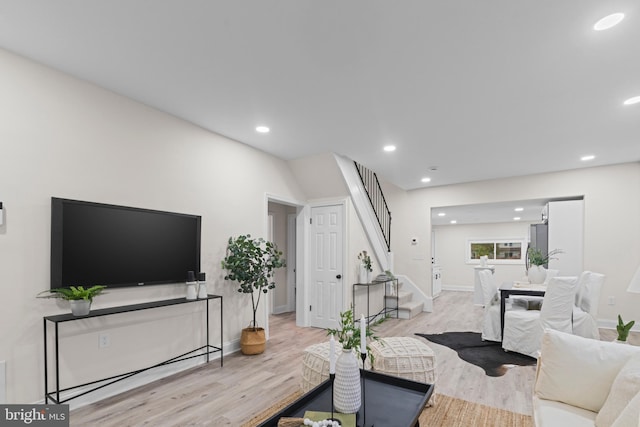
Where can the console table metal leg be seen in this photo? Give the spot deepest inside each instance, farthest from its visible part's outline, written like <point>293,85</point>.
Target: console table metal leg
<point>221,332</point>
<point>207,329</point>
<point>57,366</point>
<point>46,372</point>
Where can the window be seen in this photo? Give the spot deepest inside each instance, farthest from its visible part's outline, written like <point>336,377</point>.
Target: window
<point>500,251</point>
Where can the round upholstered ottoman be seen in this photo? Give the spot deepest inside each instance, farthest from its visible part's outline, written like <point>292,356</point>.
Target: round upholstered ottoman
<point>406,358</point>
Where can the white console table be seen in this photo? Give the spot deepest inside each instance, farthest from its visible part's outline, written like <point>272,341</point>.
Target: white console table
<point>205,351</point>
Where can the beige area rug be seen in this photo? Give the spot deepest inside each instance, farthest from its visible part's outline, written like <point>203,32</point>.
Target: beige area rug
<point>447,412</point>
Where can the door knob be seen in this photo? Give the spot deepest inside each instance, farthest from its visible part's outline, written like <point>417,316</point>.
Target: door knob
<point>339,276</point>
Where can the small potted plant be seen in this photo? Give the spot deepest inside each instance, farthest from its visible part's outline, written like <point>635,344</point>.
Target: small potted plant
<point>365,267</point>
<point>623,330</point>
<point>251,262</point>
<point>79,298</point>
<point>535,264</point>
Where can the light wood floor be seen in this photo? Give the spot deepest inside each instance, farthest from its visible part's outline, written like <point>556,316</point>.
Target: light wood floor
<point>228,396</point>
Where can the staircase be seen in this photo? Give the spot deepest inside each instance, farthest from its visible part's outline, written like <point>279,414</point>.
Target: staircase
<point>407,307</point>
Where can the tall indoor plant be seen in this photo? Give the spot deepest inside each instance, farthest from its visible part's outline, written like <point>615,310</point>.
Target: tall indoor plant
<point>251,262</point>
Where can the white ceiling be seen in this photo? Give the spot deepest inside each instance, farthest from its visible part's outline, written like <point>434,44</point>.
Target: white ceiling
<point>478,89</point>
<point>531,211</point>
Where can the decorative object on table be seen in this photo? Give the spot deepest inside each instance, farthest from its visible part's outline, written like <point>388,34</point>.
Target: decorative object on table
<point>202,285</point>
<point>483,260</point>
<point>365,267</point>
<point>332,373</point>
<point>252,262</point>
<point>347,388</point>
<point>344,420</point>
<point>346,394</point>
<point>192,286</point>
<point>623,330</point>
<point>535,264</point>
<point>79,298</point>
<point>363,356</point>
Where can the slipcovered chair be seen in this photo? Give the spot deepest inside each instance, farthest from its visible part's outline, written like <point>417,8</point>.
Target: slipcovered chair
<point>585,310</point>
<point>491,301</point>
<point>523,329</point>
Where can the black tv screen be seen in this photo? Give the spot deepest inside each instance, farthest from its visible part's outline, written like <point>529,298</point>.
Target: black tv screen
<point>100,244</point>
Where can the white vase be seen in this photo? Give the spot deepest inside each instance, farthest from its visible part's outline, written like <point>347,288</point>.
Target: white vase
<point>80,307</point>
<point>364,275</point>
<point>346,386</point>
<point>536,274</point>
<point>202,290</point>
<point>192,290</point>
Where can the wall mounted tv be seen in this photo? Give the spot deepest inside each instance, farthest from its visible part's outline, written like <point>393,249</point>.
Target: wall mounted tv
<point>100,244</point>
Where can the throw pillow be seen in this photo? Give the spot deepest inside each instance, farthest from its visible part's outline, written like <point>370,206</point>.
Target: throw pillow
<point>579,371</point>
<point>624,388</point>
<point>630,416</point>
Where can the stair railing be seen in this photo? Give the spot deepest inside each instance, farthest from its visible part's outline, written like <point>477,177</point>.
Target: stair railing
<point>376,198</point>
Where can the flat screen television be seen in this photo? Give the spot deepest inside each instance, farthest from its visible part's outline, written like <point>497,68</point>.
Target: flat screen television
<point>116,246</point>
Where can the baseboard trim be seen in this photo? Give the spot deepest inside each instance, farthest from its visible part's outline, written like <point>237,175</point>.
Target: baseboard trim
<point>611,324</point>
<point>457,288</point>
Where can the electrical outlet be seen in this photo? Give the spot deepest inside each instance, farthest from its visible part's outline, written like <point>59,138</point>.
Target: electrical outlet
<point>612,300</point>
<point>104,341</point>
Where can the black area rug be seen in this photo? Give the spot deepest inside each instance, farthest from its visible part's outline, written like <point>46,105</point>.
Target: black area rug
<point>488,355</point>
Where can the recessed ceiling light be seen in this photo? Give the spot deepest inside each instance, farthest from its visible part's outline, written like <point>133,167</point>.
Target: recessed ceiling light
<point>425,179</point>
<point>442,214</point>
<point>608,21</point>
<point>631,101</point>
<point>516,218</point>
<point>262,129</point>
<point>518,209</point>
<point>453,221</point>
<point>389,148</point>
<point>587,158</point>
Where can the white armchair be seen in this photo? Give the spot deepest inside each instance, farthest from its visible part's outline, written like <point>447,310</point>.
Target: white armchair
<point>523,329</point>
<point>585,310</point>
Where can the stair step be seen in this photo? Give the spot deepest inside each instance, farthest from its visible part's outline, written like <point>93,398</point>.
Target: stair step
<point>403,298</point>
<point>410,309</point>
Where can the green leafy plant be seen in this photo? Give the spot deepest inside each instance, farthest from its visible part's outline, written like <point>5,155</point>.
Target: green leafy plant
<point>74,293</point>
<point>623,330</point>
<point>348,334</point>
<point>536,257</point>
<point>251,262</point>
<point>365,259</point>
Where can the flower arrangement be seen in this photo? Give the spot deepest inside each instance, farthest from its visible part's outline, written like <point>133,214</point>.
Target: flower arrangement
<point>348,335</point>
<point>536,257</point>
<point>365,260</point>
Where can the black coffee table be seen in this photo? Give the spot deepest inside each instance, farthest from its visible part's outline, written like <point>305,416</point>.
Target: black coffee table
<point>390,402</point>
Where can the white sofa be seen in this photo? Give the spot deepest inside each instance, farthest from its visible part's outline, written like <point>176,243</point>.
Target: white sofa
<point>586,382</point>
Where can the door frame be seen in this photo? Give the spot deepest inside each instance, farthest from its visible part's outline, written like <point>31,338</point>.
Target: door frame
<point>300,244</point>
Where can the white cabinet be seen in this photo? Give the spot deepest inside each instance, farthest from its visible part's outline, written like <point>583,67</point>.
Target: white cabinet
<point>566,219</point>
<point>478,298</point>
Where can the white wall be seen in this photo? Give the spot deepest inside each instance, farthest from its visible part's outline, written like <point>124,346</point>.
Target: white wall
<point>611,227</point>
<point>63,137</point>
<point>451,243</point>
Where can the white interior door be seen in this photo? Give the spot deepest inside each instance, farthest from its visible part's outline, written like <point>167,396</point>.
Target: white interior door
<point>326,293</point>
